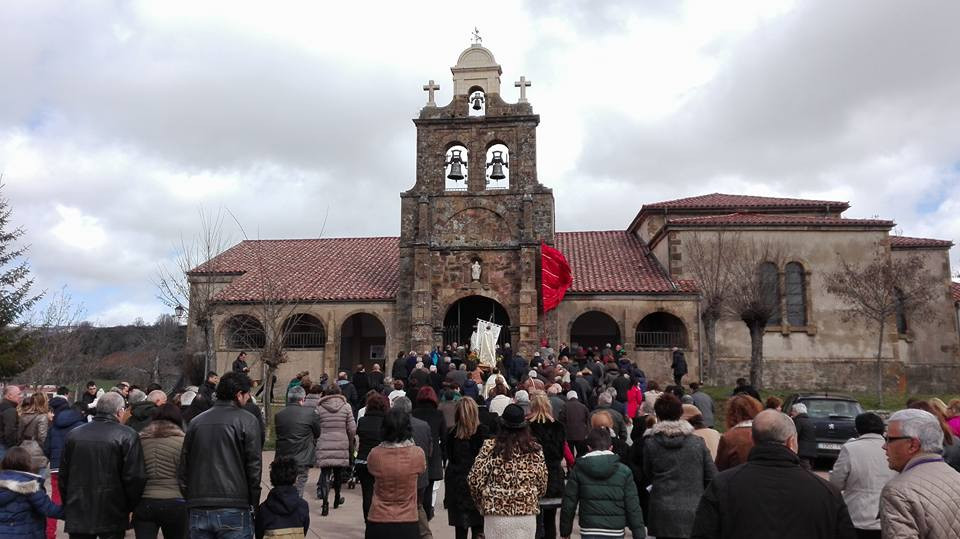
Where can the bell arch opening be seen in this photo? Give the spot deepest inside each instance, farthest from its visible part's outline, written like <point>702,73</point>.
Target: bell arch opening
<point>661,330</point>
<point>476,102</point>
<point>595,328</point>
<point>363,340</point>
<point>461,319</point>
<point>455,168</point>
<point>498,167</point>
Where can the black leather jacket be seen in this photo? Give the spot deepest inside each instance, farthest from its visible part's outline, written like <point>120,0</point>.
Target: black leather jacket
<point>101,476</point>
<point>220,462</point>
<point>297,428</point>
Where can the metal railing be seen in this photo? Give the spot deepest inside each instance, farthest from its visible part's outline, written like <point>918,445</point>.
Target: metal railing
<point>661,339</point>
<point>305,339</point>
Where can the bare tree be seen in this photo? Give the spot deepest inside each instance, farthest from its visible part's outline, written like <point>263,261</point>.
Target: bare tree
<point>884,288</point>
<point>754,294</point>
<point>708,261</point>
<point>57,337</point>
<point>180,285</point>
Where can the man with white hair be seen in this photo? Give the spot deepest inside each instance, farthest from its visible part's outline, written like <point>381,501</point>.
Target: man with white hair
<point>772,495</point>
<point>9,419</point>
<point>924,500</point>
<point>806,434</point>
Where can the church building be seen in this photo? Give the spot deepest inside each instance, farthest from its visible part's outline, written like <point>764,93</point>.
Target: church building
<point>471,234</point>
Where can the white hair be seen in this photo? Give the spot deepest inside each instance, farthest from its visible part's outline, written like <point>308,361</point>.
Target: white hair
<point>187,397</point>
<point>110,403</point>
<point>799,408</point>
<point>921,425</point>
<point>136,396</point>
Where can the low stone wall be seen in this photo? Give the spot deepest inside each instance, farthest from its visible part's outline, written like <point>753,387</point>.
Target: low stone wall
<point>847,375</point>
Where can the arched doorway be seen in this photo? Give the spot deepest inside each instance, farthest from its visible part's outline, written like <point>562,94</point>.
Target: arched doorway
<point>661,330</point>
<point>362,340</point>
<point>594,328</point>
<point>462,316</point>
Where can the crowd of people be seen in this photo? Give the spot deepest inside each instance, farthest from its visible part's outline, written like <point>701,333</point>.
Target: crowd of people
<point>523,448</point>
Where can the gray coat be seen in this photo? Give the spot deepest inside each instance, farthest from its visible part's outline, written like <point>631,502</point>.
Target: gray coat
<point>679,466</point>
<point>337,431</point>
<point>424,440</point>
<point>704,403</point>
<point>297,428</point>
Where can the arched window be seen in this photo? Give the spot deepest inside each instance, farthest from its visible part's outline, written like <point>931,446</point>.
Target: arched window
<point>244,332</point>
<point>455,168</point>
<point>900,311</point>
<point>498,167</point>
<point>770,291</point>
<point>304,331</point>
<point>795,296</point>
<point>661,330</point>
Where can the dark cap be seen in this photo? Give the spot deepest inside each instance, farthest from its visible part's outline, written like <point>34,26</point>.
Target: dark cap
<point>513,417</point>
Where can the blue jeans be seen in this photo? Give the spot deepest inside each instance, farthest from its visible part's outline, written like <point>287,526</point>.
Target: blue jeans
<point>228,523</point>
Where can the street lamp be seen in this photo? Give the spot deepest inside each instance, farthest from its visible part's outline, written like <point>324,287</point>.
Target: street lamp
<point>179,310</point>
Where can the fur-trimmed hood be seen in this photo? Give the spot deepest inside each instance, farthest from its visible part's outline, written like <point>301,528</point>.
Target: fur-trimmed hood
<point>670,433</point>
<point>161,428</point>
<point>19,482</point>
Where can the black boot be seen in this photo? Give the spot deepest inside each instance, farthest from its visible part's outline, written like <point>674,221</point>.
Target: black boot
<point>338,502</point>
<point>326,509</point>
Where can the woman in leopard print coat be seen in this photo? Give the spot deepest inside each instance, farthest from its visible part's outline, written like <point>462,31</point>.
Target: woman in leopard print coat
<point>508,478</point>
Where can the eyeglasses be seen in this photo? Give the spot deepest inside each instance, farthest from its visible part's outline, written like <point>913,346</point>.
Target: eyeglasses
<point>889,439</point>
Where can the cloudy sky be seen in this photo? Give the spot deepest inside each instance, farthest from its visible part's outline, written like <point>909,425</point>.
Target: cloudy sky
<point>121,121</point>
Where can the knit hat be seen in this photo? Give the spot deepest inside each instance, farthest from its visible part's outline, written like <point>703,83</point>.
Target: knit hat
<point>513,417</point>
<point>571,395</point>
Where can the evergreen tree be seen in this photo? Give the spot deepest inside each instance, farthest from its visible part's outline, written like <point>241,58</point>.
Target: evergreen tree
<point>15,298</point>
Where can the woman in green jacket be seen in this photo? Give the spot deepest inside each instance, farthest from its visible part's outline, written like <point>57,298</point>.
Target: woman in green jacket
<point>604,490</point>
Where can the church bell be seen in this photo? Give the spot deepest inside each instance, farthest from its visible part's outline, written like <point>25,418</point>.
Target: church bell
<point>456,165</point>
<point>477,101</point>
<point>498,164</point>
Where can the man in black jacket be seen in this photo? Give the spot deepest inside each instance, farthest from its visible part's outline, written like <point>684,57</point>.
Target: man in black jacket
<point>771,495</point>
<point>806,434</point>
<point>9,420</point>
<point>101,473</point>
<point>297,429</point>
<point>220,462</point>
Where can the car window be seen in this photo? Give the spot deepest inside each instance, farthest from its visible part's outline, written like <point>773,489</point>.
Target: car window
<point>832,408</point>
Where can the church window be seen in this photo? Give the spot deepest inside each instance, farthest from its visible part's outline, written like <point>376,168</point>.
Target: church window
<point>477,102</point>
<point>455,168</point>
<point>900,311</point>
<point>795,294</point>
<point>244,332</point>
<point>498,167</point>
<point>770,291</point>
<point>304,331</point>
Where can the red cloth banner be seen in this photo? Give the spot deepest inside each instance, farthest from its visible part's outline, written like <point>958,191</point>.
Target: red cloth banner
<point>556,274</point>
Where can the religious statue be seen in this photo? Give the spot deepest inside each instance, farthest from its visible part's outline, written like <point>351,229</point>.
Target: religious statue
<point>475,270</point>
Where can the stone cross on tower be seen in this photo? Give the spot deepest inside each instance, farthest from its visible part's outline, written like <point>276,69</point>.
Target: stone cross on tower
<point>523,84</point>
<point>431,87</point>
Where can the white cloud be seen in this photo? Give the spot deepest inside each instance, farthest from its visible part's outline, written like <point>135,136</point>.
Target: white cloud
<point>120,121</point>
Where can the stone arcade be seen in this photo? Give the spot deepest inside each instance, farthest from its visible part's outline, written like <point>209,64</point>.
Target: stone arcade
<point>469,241</point>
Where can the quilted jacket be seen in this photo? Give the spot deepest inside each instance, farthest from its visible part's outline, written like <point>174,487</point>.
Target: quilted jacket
<point>922,501</point>
<point>23,506</point>
<point>162,442</point>
<point>337,431</point>
<point>507,487</point>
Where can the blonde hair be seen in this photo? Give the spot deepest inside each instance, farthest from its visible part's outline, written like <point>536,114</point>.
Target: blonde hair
<point>939,405</point>
<point>601,420</point>
<point>34,404</point>
<point>540,409</point>
<point>466,418</point>
<point>954,408</point>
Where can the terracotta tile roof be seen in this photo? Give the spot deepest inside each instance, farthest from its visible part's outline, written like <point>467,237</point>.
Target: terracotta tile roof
<point>328,269</point>
<point>904,242</point>
<point>730,202</point>
<point>955,290</point>
<point>615,262</point>
<point>768,219</point>
<point>365,269</point>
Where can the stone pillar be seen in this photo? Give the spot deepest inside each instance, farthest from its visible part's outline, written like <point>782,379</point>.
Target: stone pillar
<point>422,316</point>
<point>529,341</point>
<point>331,351</point>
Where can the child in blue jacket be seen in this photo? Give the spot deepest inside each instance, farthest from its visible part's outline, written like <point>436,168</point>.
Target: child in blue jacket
<point>24,506</point>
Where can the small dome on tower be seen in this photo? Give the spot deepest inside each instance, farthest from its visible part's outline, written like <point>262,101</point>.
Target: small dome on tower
<point>476,67</point>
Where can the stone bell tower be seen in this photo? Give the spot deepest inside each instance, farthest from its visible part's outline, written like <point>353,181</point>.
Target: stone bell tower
<point>471,226</point>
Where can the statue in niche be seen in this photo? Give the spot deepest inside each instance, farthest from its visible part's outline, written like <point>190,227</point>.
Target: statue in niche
<point>475,271</point>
